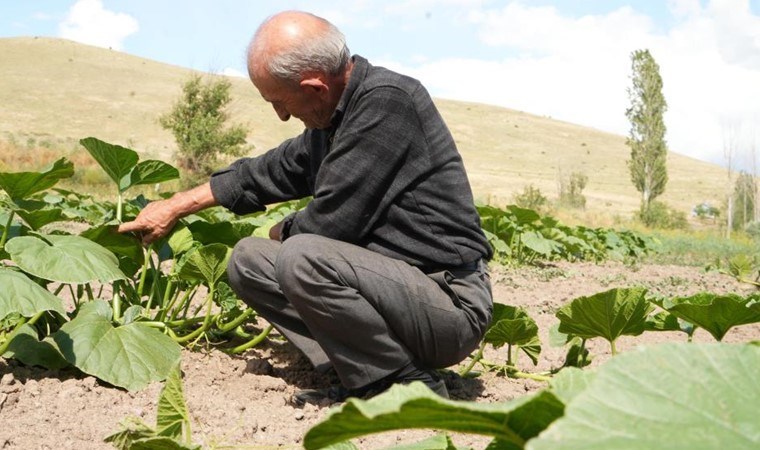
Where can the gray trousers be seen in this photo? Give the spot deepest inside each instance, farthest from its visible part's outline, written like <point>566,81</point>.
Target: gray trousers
<point>362,313</point>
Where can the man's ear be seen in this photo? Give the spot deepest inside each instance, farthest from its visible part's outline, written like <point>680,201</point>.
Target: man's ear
<point>314,84</point>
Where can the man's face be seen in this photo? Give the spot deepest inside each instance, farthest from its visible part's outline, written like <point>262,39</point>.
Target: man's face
<point>302,102</point>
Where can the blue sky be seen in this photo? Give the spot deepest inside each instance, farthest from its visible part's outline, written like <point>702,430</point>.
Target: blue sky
<point>569,60</point>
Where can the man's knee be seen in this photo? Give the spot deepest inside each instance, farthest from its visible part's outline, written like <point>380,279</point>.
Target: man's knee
<point>299,259</point>
<point>251,258</point>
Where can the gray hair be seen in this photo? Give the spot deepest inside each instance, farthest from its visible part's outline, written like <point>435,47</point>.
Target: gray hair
<point>327,53</point>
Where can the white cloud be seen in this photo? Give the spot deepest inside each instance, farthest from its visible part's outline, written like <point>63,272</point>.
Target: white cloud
<point>577,69</point>
<point>88,22</point>
<point>230,72</point>
<point>42,16</point>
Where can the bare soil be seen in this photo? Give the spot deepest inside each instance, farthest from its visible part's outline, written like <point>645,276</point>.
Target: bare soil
<point>242,401</point>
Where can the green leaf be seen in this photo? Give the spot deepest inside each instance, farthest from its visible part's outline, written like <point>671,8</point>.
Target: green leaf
<point>215,233</point>
<point>152,171</point>
<point>127,248</point>
<point>117,161</point>
<point>181,240</point>
<point>577,355</point>
<point>41,217</point>
<point>415,406</point>
<point>206,264</point>
<point>132,314</point>
<point>570,382</point>
<point>20,185</point>
<point>715,313</point>
<point>27,348</point>
<point>172,417</point>
<point>608,314</point>
<point>21,295</point>
<point>523,216</point>
<point>666,397</point>
<point>67,259</point>
<point>130,356</point>
<point>437,442</point>
<point>512,326</point>
<point>132,429</point>
<point>160,443</point>
<point>539,244</point>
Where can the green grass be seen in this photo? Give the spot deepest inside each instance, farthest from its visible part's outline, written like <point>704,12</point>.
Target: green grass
<point>702,248</point>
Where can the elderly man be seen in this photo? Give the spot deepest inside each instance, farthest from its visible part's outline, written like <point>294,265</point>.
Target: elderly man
<point>383,276</point>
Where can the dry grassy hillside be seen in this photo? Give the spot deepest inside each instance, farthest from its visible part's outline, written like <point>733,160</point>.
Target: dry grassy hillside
<point>62,91</point>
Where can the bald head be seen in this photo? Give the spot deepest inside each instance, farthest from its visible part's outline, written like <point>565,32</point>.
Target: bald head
<point>292,43</point>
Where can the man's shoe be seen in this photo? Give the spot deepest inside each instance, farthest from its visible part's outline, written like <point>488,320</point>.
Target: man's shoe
<point>338,393</point>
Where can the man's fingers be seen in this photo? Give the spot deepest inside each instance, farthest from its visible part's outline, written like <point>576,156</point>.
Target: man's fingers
<point>126,227</point>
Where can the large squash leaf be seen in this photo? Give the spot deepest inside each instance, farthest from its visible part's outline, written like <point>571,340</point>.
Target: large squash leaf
<point>20,185</point>
<point>66,259</point>
<point>669,397</point>
<point>21,295</point>
<point>116,161</point>
<point>608,314</point>
<point>415,406</point>
<point>130,356</point>
<point>715,313</point>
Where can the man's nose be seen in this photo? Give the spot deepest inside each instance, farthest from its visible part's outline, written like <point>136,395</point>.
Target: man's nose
<point>281,113</point>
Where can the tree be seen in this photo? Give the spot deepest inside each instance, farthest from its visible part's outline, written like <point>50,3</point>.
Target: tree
<point>647,137</point>
<point>197,121</point>
<point>743,200</point>
<point>571,190</point>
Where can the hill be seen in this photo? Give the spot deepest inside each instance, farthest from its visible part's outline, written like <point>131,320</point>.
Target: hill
<point>61,91</point>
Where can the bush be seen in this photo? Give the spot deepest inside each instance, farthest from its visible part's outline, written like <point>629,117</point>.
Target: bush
<point>531,198</point>
<point>660,215</point>
<point>197,121</point>
<point>571,191</point>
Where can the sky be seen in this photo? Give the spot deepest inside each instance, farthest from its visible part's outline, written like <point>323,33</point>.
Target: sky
<point>569,60</point>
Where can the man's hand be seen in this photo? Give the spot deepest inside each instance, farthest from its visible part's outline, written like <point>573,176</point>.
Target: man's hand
<point>275,233</point>
<point>155,221</point>
<point>158,218</point>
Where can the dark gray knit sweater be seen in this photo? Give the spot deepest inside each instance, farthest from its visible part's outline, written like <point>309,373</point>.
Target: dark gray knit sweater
<point>386,176</point>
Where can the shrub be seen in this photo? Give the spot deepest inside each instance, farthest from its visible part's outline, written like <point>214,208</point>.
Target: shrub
<point>531,198</point>
<point>571,190</point>
<point>660,215</point>
<point>197,121</point>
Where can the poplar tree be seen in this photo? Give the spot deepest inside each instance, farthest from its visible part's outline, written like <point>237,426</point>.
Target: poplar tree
<point>647,136</point>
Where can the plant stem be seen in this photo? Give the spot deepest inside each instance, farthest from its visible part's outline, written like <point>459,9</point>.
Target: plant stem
<point>474,360</point>
<point>88,288</point>
<point>252,343</point>
<point>6,230</point>
<point>143,273</point>
<point>74,296</point>
<point>206,321</point>
<point>237,321</point>
<point>118,206</point>
<point>165,301</point>
<point>613,349</point>
<point>183,303</point>
<point>582,353</point>
<point>4,346</point>
<point>509,355</point>
<point>116,301</point>
<point>529,376</point>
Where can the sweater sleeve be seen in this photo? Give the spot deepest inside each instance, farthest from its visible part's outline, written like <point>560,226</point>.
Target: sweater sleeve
<point>278,175</point>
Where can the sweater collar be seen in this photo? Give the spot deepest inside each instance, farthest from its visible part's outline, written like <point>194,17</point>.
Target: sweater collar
<point>358,73</point>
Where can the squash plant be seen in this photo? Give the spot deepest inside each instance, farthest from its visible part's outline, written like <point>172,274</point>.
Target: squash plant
<point>122,302</point>
<point>634,401</point>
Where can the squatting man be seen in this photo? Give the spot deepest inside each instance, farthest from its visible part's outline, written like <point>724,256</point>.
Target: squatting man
<point>382,277</point>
